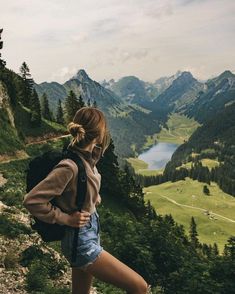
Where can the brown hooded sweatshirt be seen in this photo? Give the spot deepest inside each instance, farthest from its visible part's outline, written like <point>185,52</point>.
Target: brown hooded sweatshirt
<point>61,184</point>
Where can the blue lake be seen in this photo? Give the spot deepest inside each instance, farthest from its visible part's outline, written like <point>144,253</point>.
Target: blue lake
<point>158,155</point>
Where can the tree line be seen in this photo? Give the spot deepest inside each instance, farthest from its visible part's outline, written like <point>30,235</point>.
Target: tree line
<point>20,88</point>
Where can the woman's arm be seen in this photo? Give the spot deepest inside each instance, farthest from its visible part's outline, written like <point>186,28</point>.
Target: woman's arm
<point>37,200</point>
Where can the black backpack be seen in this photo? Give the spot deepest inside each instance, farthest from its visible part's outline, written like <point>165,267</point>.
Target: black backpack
<point>38,169</point>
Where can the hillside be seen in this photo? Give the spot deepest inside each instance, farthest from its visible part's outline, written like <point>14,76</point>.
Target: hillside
<point>214,214</point>
<point>218,93</point>
<point>15,119</point>
<point>215,140</point>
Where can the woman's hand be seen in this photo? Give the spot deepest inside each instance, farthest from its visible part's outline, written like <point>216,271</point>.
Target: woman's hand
<point>78,219</point>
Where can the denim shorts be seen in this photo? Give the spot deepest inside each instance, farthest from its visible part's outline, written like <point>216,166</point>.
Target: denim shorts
<point>88,245</point>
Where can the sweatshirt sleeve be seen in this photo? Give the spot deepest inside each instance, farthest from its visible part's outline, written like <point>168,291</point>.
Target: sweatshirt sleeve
<point>37,200</point>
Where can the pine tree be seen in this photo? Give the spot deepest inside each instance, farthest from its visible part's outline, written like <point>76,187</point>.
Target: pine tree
<point>89,102</point>
<point>26,87</point>
<point>2,62</point>
<point>59,113</point>
<point>206,190</point>
<point>71,106</point>
<point>35,107</point>
<point>193,233</point>
<point>150,211</point>
<point>215,249</point>
<point>229,249</point>
<point>45,107</point>
<point>81,102</point>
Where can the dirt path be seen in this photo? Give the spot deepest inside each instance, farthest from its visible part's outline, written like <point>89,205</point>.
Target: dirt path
<point>198,208</point>
<point>21,154</point>
<point>46,140</point>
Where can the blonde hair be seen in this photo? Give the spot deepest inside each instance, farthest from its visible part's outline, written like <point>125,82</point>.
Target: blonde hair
<point>89,123</point>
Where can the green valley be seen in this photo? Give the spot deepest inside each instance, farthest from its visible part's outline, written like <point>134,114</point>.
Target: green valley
<point>213,214</point>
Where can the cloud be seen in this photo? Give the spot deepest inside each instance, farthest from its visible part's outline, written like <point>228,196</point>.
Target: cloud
<point>157,9</point>
<point>63,74</point>
<point>111,38</point>
<point>135,54</point>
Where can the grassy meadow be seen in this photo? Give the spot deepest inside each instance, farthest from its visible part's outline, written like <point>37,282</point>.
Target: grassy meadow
<point>213,214</point>
<point>180,128</point>
<point>141,167</point>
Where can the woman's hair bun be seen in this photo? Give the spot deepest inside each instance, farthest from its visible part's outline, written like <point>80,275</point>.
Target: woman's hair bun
<point>77,131</point>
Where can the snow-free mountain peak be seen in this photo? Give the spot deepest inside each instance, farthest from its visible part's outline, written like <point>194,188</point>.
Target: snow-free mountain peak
<point>81,75</point>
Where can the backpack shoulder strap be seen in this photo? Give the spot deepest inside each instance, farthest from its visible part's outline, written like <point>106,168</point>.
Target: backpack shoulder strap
<point>82,177</point>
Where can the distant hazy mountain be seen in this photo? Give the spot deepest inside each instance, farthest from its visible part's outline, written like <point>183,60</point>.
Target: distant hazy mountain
<point>135,108</point>
<point>133,90</point>
<point>130,89</point>
<point>82,85</point>
<point>182,92</point>
<point>163,83</point>
<point>217,93</point>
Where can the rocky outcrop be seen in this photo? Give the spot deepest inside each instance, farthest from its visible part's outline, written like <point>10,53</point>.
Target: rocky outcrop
<point>5,103</point>
<point>12,279</point>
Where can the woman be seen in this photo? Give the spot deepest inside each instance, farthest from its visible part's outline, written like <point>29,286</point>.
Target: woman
<point>90,140</point>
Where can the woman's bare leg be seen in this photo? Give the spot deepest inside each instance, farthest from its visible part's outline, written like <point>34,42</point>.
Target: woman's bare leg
<point>109,269</point>
<point>81,281</point>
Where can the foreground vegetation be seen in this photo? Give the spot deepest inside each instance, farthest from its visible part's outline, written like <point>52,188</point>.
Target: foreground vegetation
<point>169,259</point>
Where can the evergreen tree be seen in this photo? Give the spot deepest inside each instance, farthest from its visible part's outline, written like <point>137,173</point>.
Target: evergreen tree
<point>2,62</point>
<point>150,211</point>
<point>89,102</point>
<point>81,102</point>
<point>71,106</point>
<point>26,87</point>
<point>59,113</point>
<point>193,233</point>
<point>229,249</point>
<point>108,165</point>
<point>45,107</point>
<point>35,107</point>
<point>215,250</point>
<point>206,190</point>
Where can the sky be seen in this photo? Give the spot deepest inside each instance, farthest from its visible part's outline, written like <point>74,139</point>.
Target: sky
<point>115,38</point>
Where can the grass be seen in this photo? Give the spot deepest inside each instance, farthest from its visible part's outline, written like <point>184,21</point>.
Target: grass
<point>210,163</point>
<point>141,167</point>
<point>22,120</point>
<point>9,140</point>
<point>189,192</point>
<point>180,128</point>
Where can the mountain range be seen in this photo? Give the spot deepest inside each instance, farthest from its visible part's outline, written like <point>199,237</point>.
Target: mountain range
<point>136,109</point>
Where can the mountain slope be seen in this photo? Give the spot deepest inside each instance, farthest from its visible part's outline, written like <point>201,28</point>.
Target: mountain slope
<point>182,92</point>
<point>218,92</point>
<point>214,140</point>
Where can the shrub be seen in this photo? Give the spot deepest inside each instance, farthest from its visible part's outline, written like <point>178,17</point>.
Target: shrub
<point>11,259</point>
<point>34,253</point>
<point>38,281</point>
<point>37,278</point>
<point>12,228</point>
